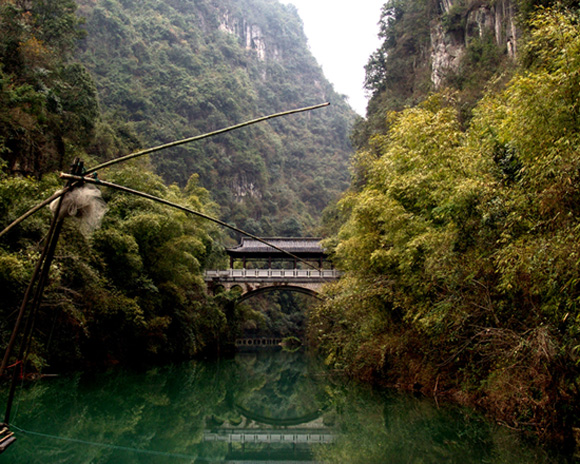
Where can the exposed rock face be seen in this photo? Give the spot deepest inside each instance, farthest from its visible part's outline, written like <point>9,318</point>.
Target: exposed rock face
<point>250,35</point>
<point>506,31</point>
<point>244,188</point>
<point>477,18</point>
<point>446,53</point>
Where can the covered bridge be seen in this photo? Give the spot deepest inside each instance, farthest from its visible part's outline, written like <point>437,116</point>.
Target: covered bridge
<point>306,248</point>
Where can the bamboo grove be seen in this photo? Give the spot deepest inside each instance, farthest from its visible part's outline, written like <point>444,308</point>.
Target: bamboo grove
<point>461,244</point>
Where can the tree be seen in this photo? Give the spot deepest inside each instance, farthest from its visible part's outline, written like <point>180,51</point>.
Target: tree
<point>461,246</point>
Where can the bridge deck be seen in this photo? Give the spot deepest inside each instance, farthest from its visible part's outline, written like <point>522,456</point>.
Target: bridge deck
<point>268,275</point>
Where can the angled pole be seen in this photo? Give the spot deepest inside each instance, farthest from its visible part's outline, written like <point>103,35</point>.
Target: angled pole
<point>38,207</point>
<point>29,326</point>
<point>26,298</point>
<point>37,282</point>
<point>202,136</point>
<point>156,149</point>
<point>103,183</point>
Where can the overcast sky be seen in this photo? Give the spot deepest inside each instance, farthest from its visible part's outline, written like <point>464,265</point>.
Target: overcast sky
<point>342,35</point>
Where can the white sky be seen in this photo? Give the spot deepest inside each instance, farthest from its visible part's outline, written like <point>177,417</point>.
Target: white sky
<point>342,35</point>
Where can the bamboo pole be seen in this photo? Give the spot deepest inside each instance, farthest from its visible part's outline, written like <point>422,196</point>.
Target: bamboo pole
<point>29,326</point>
<point>156,149</point>
<point>203,136</point>
<point>103,183</point>
<point>38,207</point>
<point>26,298</point>
<point>39,278</point>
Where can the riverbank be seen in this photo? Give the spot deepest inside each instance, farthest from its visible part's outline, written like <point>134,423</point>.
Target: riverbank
<point>528,394</point>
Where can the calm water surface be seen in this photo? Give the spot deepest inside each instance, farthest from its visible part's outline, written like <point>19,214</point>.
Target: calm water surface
<point>257,408</point>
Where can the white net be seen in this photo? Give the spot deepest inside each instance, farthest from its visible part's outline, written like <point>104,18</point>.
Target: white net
<point>85,204</point>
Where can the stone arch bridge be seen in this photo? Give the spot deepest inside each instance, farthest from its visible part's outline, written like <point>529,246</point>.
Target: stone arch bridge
<point>254,281</point>
<point>265,279</point>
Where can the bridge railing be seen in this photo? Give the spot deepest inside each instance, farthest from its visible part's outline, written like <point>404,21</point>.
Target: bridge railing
<point>273,273</point>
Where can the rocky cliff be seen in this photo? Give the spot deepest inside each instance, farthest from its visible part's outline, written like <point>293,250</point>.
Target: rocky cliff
<point>429,46</point>
<point>459,23</point>
<point>176,68</point>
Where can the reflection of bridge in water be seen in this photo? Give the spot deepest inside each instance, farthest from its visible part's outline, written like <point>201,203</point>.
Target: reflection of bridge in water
<point>254,281</point>
<point>262,439</point>
<point>263,445</point>
<point>291,436</point>
<point>259,438</point>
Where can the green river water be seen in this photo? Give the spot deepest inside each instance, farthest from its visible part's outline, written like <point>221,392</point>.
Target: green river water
<point>264,407</point>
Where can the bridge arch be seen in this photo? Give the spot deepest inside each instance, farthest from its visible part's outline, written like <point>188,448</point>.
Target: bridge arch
<point>236,287</point>
<point>279,422</point>
<point>254,281</point>
<point>293,288</point>
<point>258,280</point>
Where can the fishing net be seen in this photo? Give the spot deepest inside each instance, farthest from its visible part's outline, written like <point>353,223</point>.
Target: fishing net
<point>84,204</point>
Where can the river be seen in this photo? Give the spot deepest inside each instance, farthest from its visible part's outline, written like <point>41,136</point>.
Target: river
<point>263,407</point>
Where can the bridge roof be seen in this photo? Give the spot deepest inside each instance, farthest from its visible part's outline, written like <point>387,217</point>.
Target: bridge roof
<point>308,247</point>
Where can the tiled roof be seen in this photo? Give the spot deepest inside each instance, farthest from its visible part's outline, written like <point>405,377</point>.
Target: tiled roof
<point>309,245</point>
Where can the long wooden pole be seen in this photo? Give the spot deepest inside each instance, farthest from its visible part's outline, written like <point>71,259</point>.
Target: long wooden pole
<point>156,149</point>
<point>52,242</point>
<point>202,136</point>
<point>38,280</point>
<point>103,183</point>
<point>26,298</point>
<point>38,207</point>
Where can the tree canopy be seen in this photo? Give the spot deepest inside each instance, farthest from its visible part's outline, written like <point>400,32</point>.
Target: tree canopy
<point>176,69</point>
<point>460,244</point>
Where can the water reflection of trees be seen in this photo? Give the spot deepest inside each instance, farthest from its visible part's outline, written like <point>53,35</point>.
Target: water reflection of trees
<point>172,409</point>
<point>164,409</point>
<point>374,427</point>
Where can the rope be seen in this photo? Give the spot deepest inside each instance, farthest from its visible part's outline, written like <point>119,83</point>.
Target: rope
<point>110,446</point>
<point>183,208</point>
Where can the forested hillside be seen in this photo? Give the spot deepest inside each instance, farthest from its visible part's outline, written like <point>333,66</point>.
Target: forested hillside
<point>128,75</point>
<point>459,235</point>
<point>174,69</point>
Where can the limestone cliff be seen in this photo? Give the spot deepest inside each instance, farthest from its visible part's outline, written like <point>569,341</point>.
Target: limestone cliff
<point>177,68</point>
<point>460,22</point>
<point>427,46</point>
<point>251,35</point>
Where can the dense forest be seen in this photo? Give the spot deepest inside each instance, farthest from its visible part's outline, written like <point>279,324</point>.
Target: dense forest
<point>459,235</point>
<point>99,80</point>
<point>173,69</point>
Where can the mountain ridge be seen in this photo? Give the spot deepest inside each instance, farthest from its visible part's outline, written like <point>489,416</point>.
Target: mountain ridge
<point>177,69</point>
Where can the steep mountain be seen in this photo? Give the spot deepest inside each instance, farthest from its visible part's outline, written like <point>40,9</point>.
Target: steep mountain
<point>431,45</point>
<point>171,69</point>
<point>459,237</point>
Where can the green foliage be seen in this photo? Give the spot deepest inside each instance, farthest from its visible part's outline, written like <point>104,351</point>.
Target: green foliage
<point>454,20</point>
<point>461,246</point>
<point>49,105</point>
<point>185,68</point>
<point>393,73</point>
<point>416,36</point>
<point>161,71</point>
<point>276,314</point>
<point>131,291</point>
